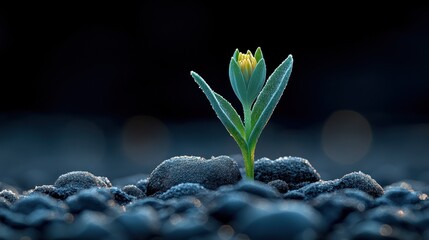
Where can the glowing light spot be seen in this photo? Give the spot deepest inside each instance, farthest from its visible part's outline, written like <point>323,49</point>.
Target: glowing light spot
<point>400,213</point>
<point>346,136</point>
<point>69,218</point>
<point>423,196</point>
<point>385,230</point>
<point>175,219</point>
<point>225,232</point>
<point>197,203</point>
<point>145,138</point>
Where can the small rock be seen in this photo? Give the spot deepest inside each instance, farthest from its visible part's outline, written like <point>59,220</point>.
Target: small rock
<point>4,203</point>
<point>183,189</point>
<point>256,188</point>
<point>363,182</point>
<point>9,195</point>
<point>355,180</point>
<point>142,184</point>
<point>91,225</point>
<point>73,182</point>
<point>185,204</point>
<point>120,196</point>
<point>88,199</point>
<point>210,173</point>
<point>134,191</point>
<point>142,223</point>
<point>44,189</point>
<point>293,170</point>
<point>294,195</point>
<point>360,196</point>
<point>313,190</point>
<point>28,204</point>
<point>398,196</point>
<point>178,227</point>
<point>287,220</point>
<point>227,206</point>
<point>280,185</point>
<point>336,206</point>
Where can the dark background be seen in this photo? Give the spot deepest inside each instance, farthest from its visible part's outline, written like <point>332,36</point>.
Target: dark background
<point>95,75</point>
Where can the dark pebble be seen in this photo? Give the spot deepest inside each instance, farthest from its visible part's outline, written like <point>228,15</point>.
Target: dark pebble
<point>134,191</point>
<point>399,196</point>
<point>28,204</point>
<point>210,173</point>
<point>183,189</point>
<point>294,195</point>
<point>44,189</point>
<point>91,225</point>
<point>142,223</point>
<point>363,182</point>
<point>293,170</point>
<point>72,182</point>
<point>4,203</point>
<point>287,220</point>
<point>90,199</point>
<point>313,190</point>
<point>355,180</point>
<point>227,206</point>
<point>359,195</point>
<point>120,196</point>
<point>337,205</point>
<point>34,211</point>
<point>9,195</point>
<point>142,185</point>
<point>280,185</point>
<point>185,204</point>
<point>256,188</point>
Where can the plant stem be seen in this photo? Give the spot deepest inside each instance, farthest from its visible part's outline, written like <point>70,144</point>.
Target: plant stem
<point>248,152</point>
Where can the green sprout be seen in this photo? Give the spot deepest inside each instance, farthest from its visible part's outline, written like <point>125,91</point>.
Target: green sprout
<point>247,74</point>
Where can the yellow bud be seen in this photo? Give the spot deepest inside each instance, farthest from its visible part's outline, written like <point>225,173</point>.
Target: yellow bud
<point>247,64</point>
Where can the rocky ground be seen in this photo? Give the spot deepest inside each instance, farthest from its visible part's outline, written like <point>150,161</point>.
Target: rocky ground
<point>195,198</point>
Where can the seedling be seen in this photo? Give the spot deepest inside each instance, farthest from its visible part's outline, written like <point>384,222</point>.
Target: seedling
<point>247,74</point>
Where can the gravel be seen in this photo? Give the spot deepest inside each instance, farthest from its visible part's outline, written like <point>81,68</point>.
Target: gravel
<point>196,198</point>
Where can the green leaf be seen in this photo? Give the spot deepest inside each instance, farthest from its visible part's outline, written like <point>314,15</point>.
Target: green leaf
<point>258,54</point>
<point>256,81</point>
<point>268,99</point>
<point>235,55</point>
<point>237,81</point>
<point>224,110</point>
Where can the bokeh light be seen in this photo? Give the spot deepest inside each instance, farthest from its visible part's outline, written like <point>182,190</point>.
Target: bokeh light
<point>346,136</point>
<point>145,139</point>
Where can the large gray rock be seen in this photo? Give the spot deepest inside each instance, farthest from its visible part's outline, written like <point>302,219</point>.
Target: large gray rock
<point>209,173</point>
<point>294,171</point>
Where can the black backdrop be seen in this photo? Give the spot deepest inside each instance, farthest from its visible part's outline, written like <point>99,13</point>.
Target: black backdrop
<point>126,58</point>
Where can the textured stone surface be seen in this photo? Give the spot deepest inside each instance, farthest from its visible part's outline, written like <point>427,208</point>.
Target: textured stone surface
<point>210,173</point>
<point>293,170</point>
